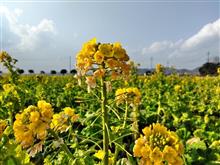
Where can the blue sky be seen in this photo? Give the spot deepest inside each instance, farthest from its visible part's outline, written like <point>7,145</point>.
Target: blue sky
<point>43,35</point>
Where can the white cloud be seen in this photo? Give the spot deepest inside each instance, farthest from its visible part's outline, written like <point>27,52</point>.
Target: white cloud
<point>190,52</point>
<point>30,37</point>
<point>206,35</point>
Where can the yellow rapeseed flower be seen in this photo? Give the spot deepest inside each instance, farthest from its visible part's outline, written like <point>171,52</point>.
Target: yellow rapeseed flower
<point>218,70</point>
<point>131,95</point>
<point>60,121</point>
<point>100,154</point>
<point>158,145</point>
<point>106,50</point>
<point>159,68</point>
<point>103,59</point>
<point>4,56</point>
<point>31,125</point>
<point>177,88</point>
<point>99,57</point>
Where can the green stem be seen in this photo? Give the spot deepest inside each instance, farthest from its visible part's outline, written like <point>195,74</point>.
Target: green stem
<point>126,114</point>
<point>158,111</point>
<point>63,145</point>
<point>116,155</point>
<point>104,121</point>
<point>124,123</point>
<point>11,117</point>
<point>135,121</point>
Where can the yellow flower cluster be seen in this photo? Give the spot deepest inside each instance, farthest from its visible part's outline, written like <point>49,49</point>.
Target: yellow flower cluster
<point>177,88</point>
<point>218,70</point>
<point>3,125</point>
<point>32,123</point>
<point>100,154</point>
<point>158,146</point>
<point>4,56</point>
<point>107,58</point>
<point>10,89</point>
<point>131,95</point>
<point>60,121</point>
<point>159,68</point>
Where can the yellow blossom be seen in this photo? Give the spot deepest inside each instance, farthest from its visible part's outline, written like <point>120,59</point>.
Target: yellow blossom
<point>34,116</point>
<point>169,154</point>
<point>131,95</point>
<point>100,154</point>
<point>4,56</point>
<point>106,50</point>
<point>158,145</point>
<point>104,59</point>
<point>60,121</point>
<point>156,155</point>
<point>159,68</point>
<point>111,63</point>
<point>177,88</point>
<point>99,73</point>
<point>32,124</point>
<point>99,57</point>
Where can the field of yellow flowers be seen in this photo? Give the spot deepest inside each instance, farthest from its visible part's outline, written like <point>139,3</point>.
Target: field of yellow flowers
<point>107,114</point>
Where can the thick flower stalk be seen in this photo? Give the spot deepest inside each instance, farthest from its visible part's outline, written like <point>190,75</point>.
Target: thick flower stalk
<point>9,63</point>
<point>31,125</point>
<point>158,146</point>
<point>102,60</point>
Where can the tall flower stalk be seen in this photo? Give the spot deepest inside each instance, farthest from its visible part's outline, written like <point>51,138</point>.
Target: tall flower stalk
<point>103,60</point>
<point>104,121</point>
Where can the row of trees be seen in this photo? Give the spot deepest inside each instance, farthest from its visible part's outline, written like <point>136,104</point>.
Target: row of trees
<point>209,69</point>
<point>62,71</point>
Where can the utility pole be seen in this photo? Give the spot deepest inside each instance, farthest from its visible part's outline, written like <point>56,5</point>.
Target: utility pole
<point>151,62</point>
<point>70,64</point>
<point>208,55</point>
<point>168,63</point>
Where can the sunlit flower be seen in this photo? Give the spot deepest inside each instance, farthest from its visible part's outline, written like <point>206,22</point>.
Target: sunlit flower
<point>103,59</point>
<point>158,145</point>
<point>106,50</point>
<point>61,121</point>
<point>177,88</point>
<point>131,95</point>
<point>99,57</point>
<point>159,68</point>
<point>4,56</point>
<point>31,125</point>
<point>218,70</point>
<point>111,63</point>
<point>100,154</point>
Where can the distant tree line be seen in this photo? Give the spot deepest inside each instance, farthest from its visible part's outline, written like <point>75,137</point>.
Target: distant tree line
<point>53,72</point>
<point>209,68</point>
